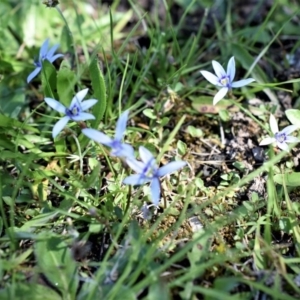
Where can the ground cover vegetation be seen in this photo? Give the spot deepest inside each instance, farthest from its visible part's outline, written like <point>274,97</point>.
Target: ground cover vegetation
<point>149,149</point>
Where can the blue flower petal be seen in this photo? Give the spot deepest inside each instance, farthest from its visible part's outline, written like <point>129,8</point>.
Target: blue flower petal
<point>135,165</point>
<point>121,125</point>
<point>124,150</point>
<point>220,95</point>
<point>78,97</point>
<point>34,73</point>
<point>83,116</point>
<point>273,124</point>
<point>56,105</point>
<point>292,139</point>
<point>242,82</point>
<point>210,77</point>
<point>283,146</point>
<point>155,191</point>
<point>85,105</point>
<point>267,141</point>
<point>231,69</point>
<point>170,167</point>
<point>146,155</point>
<point>97,136</point>
<point>59,126</point>
<point>289,129</point>
<point>55,57</point>
<point>136,179</point>
<point>44,49</point>
<point>50,53</point>
<point>219,70</point>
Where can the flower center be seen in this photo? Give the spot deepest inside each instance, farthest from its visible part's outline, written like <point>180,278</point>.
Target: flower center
<point>280,137</point>
<point>225,81</point>
<point>73,111</point>
<point>149,169</point>
<point>116,147</point>
<point>116,144</point>
<point>37,64</point>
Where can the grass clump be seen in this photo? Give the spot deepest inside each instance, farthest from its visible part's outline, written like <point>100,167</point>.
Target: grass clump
<point>150,189</point>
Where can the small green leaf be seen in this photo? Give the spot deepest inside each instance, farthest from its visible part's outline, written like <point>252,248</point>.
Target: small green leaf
<point>56,263</point>
<point>49,79</point>
<point>98,84</point>
<point>164,121</point>
<point>182,147</point>
<point>224,115</point>
<point>194,132</point>
<point>294,116</point>
<point>199,183</point>
<point>248,205</point>
<point>290,179</point>
<point>285,224</point>
<point>149,113</point>
<point>95,228</point>
<point>66,80</point>
<point>225,177</point>
<point>239,165</point>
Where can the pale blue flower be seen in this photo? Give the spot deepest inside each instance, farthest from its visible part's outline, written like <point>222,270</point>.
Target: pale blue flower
<point>223,79</point>
<point>118,148</point>
<point>44,54</point>
<point>281,138</point>
<point>148,171</point>
<point>75,112</point>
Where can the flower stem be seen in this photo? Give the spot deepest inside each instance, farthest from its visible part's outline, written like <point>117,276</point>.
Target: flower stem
<point>79,153</point>
<point>130,188</point>
<point>163,195</point>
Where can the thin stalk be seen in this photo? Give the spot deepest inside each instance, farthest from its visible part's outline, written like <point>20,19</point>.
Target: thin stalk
<point>79,153</point>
